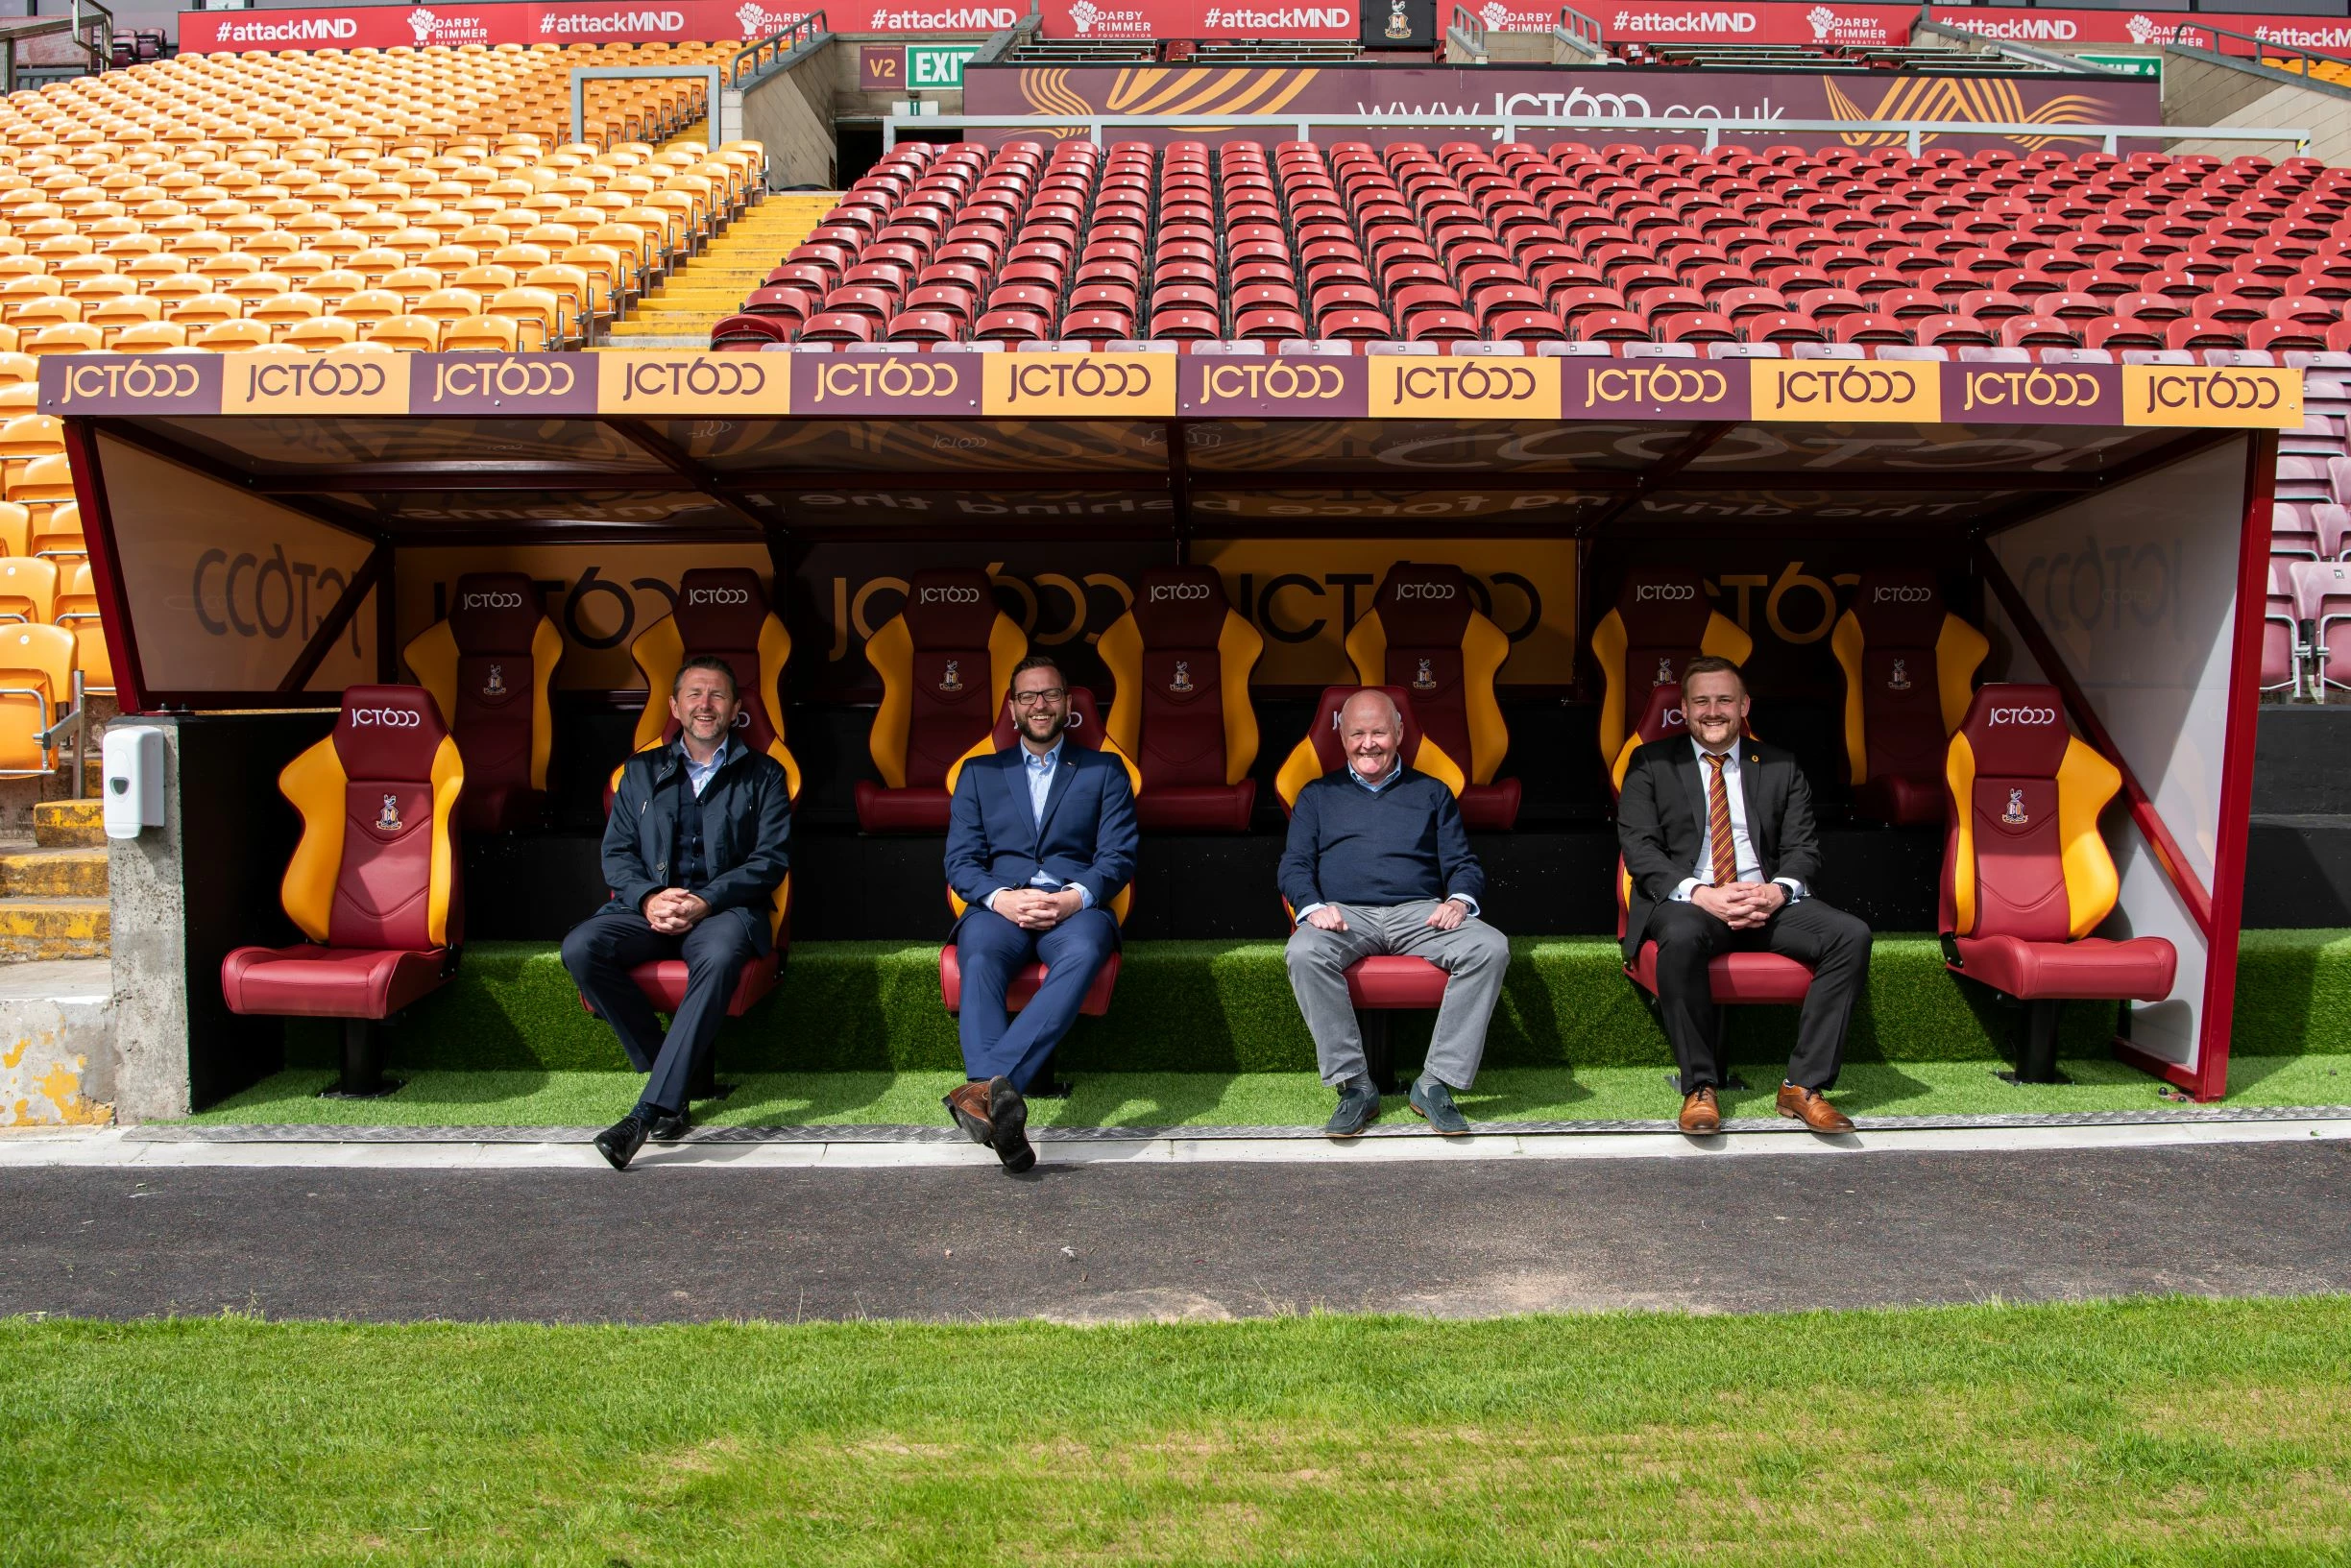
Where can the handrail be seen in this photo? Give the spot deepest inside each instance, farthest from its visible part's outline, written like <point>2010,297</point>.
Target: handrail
<point>102,52</point>
<point>803,29</point>
<point>1468,26</point>
<point>1712,132</point>
<point>1581,28</point>
<point>2181,36</point>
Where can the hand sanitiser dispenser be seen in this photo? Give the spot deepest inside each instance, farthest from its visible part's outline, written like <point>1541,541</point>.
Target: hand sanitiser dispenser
<point>133,788</point>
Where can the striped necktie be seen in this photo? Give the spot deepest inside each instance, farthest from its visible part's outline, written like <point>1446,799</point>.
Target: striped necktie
<point>1718,823</point>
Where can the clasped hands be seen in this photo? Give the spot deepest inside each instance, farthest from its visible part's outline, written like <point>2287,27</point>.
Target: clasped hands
<point>1033,909</point>
<point>673,911</point>
<point>1446,916</point>
<point>1741,905</point>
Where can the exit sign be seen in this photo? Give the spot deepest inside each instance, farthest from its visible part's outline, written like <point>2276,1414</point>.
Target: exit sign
<point>2147,65</point>
<point>936,66</point>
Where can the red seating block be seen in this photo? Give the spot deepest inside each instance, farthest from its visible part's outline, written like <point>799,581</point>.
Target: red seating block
<point>1023,987</point>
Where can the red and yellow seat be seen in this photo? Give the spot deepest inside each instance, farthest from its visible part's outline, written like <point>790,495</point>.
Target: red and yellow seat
<point>376,882</point>
<point>490,665</point>
<point>1322,750</point>
<point>721,611</point>
<point>2027,875</point>
<point>1180,660</point>
<point>1734,977</point>
<point>1085,729</point>
<point>1659,623</point>
<point>1425,633</point>
<point>946,662</point>
<point>1909,668</point>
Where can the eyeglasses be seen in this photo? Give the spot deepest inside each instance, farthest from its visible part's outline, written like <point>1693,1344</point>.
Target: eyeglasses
<point>1033,699</point>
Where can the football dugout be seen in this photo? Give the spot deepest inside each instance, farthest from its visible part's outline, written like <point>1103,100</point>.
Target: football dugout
<point>2034,592</point>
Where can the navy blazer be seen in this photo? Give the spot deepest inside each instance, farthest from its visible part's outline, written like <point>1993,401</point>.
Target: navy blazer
<point>1087,837</point>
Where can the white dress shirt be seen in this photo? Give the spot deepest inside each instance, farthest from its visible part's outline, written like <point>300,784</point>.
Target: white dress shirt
<point>1039,772</point>
<point>698,775</point>
<point>1742,848</point>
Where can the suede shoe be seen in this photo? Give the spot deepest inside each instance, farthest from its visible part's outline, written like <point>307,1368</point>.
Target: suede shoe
<point>619,1142</point>
<point>1009,1114</point>
<point>1701,1115</point>
<point>1807,1106</point>
<point>1359,1106</point>
<point>1433,1103</point>
<point>670,1126</point>
<point>968,1104</point>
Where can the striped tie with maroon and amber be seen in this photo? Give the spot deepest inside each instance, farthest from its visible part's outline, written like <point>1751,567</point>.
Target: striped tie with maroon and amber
<point>1718,823</point>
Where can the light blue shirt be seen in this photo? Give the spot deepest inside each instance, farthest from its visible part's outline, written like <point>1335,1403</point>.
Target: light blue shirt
<point>698,775</point>
<point>1396,771</point>
<point>1039,771</point>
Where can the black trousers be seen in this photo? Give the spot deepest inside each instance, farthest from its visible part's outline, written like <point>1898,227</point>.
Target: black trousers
<point>601,949</point>
<point>1835,944</point>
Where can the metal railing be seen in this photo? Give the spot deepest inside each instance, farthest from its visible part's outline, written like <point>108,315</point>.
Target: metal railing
<point>747,62</point>
<point>1469,28</point>
<point>1583,32</point>
<point>705,74</point>
<point>2186,35</point>
<point>1709,134</point>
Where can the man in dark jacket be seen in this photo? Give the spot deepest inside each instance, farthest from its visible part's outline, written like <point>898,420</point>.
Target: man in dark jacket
<point>1378,863</point>
<point>693,853</point>
<point>1720,848</point>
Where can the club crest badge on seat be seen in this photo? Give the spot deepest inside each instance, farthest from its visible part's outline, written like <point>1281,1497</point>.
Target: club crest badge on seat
<point>1181,683</point>
<point>495,685</point>
<point>1424,681</point>
<point>2014,815</point>
<point>388,820</point>
<point>1899,679</point>
<point>952,683</point>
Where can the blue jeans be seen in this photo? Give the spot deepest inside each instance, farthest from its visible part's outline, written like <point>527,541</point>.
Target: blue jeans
<point>991,951</point>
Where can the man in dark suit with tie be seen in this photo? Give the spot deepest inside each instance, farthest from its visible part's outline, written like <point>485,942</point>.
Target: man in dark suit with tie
<point>1040,838</point>
<point>1719,844</point>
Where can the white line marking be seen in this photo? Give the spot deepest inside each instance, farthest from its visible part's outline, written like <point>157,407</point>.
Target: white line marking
<point>108,1149</point>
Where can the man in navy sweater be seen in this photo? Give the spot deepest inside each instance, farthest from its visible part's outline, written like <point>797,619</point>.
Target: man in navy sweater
<point>1378,863</point>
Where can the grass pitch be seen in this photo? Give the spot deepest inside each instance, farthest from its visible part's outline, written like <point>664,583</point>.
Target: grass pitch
<point>2140,1433</point>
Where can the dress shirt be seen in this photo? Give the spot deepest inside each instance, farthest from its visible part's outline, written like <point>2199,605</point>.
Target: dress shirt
<point>1396,771</point>
<point>698,775</point>
<point>1039,773</point>
<point>1743,853</point>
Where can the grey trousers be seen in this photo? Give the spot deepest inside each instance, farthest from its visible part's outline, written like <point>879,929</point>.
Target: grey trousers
<point>1473,955</point>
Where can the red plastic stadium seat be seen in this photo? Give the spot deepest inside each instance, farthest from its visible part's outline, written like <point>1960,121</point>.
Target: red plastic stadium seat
<point>2322,602</point>
<point>751,333</point>
<point>1394,981</point>
<point>2027,877</point>
<point>490,663</point>
<point>1180,660</point>
<point>945,661</point>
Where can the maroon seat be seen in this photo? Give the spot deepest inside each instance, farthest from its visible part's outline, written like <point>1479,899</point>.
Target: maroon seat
<point>721,613</point>
<point>1180,660</point>
<point>1734,977</point>
<point>1024,986</point>
<point>2027,877</point>
<point>376,882</point>
<point>1395,981</point>
<point>1909,668</point>
<point>945,661</point>
<point>490,665</point>
<point>1425,633</point>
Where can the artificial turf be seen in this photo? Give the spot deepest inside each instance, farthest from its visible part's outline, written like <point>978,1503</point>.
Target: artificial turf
<point>442,1098</point>
<point>2140,1433</point>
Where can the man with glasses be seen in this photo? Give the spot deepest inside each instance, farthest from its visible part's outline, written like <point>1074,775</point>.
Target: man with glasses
<point>1040,838</point>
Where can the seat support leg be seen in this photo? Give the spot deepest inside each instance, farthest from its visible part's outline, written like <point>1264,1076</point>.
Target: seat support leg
<point>703,1083</point>
<point>2036,1044</point>
<point>362,1077</point>
<point>1379,1048</point>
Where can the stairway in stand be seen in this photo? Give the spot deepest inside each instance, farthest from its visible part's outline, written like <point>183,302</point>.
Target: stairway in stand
<point>53,896</point>
<point>709,288</point>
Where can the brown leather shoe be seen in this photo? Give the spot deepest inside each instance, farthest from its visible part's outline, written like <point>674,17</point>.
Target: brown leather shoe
<point>968,1104</point>
<point>1806,1105</point>
<point>1700,1114</point>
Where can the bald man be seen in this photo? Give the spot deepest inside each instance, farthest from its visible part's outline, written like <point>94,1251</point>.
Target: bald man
<point>1378,863</point>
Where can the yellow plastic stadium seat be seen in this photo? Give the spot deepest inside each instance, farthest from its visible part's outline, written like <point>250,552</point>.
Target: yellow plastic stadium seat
<point>58,535</point>
<point>412,334</point>
<point>150,338</point>
<point>67,338</point>
<point>15,529</point>
<point>37,665</point>
<point>480,334</point>
<point>223,337</point>
<point>28,590</point>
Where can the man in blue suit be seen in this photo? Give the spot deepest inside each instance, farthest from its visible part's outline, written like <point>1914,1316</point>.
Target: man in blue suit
<point>1040,838</point>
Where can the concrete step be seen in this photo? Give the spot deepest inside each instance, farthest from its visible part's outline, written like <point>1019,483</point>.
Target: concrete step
<point>57,1045</point>
<point>42,927</point>
<point>76,873</point>
<point>69,824</point>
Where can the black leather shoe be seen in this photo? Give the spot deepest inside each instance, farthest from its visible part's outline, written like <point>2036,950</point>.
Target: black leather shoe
<point>619,1142</point>
<point>1359,1106</point>
<point>670,1126</point>
<point>1008,1118</point>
